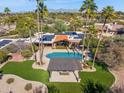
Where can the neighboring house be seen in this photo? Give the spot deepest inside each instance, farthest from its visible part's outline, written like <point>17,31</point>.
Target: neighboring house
<point>110,29</point>
<point>117,29</point>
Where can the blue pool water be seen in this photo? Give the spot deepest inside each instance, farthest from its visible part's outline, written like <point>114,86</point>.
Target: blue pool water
<point>64,55</point>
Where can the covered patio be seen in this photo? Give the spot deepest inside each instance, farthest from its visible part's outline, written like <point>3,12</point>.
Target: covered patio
<point>64,70</point>
<point>61,41</point>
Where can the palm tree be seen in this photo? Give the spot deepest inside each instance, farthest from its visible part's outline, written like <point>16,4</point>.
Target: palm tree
<point>92,33</point>
<point>108,14</point>
<point>41,12</point>
<point>75,23</point>
<point>30,26</point>
<point>7,10</point>
<point>7,19</point>
<point>88,8</point>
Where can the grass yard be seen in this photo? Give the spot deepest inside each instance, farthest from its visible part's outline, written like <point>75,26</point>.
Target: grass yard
<point>26,71</point>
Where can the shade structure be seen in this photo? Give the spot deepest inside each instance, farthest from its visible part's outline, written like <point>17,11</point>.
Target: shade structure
<point>64,64</point>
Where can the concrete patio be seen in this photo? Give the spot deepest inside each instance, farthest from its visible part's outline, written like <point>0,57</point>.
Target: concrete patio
<point>56,77</point>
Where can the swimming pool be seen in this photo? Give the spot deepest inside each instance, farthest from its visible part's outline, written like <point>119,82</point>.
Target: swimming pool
<point>64,55</point>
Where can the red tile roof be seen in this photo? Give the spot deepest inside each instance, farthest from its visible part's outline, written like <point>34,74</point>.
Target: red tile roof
<point>61,38</point>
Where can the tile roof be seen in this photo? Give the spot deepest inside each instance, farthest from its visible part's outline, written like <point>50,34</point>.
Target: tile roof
<point>61,38</point>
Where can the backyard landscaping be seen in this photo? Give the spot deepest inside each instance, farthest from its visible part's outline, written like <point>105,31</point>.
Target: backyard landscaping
<point>25,70</point>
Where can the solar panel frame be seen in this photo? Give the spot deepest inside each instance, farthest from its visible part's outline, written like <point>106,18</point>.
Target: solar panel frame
<point>4,42</point>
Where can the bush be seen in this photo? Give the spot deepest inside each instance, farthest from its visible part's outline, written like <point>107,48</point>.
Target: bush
<point>53,89</point>
<point>39,90</point>
<point>1,74</point>
<point>10,49</point>
<point>60,47</point>
<point>10,80</point>
<point>112,56</point>
<point>26,53</point>
<point>3,57</point>
<point>28,86</point>
<point>120,22</point>
<point>14,32</point>
<point>117,89</point>
<point>92,87</point>
<point>34,47</point>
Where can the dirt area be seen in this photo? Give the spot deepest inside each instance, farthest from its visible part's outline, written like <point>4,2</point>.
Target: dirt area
<point>119,75</point>
<point>18,85</point>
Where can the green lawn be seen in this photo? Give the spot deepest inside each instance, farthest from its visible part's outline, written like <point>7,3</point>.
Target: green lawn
<point>25,71</point>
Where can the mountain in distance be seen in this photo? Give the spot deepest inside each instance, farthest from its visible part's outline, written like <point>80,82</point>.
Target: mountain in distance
<point>64,10</point>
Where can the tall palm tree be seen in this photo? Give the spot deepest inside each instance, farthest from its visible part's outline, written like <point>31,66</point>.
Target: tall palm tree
<point>88,8</point>
<point>108,14</point>
<point>39,6</point>
<point>41,12</point>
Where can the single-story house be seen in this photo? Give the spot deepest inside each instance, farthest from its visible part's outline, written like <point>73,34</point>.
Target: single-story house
<point>51,38</point>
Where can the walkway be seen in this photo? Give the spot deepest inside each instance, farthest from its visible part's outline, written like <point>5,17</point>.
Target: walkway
<point>119,75</point>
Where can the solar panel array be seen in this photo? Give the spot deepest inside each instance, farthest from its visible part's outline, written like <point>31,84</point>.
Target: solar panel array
<point>80,35</point>
<point>4,42</point>
<point>47,38</point>
<point>70,33</point>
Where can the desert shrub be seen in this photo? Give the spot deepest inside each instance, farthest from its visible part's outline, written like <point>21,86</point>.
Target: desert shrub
<point>112,54</point>
<point>3,56</point>
<point>13,32</point>
<point>93,87</point>
<point>117,89</point>
<point>60,47</point>
<point>26,53</point>
<point>1,74</point>
<point>10,80</point>
<point>34,47</point>
<point>53,89</point>
<point>10,49</point>
<point>38,90</point>
<point>28,86</point>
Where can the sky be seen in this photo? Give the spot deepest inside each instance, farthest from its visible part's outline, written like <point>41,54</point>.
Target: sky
<point>30,5</point>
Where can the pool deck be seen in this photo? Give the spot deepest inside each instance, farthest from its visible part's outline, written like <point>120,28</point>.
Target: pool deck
<point>46,60</point>
<point>55,76</point>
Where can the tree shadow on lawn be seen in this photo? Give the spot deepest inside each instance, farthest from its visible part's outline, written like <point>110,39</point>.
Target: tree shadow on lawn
<point>102,65</point>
